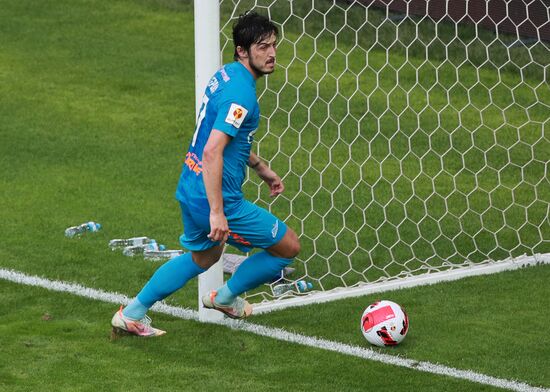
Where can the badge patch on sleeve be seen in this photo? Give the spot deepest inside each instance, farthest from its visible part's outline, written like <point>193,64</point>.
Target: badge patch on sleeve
<point>236,115</point>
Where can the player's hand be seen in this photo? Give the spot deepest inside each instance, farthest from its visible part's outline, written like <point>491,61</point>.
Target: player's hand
<point>274,182</point>
<point>219,229</point>
<point>276,186</point>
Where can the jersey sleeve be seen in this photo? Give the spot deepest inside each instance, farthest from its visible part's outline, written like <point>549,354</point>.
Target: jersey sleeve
<point>233,111</point>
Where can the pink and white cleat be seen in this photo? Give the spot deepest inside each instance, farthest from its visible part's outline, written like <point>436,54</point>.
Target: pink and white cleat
<point>123,325</point>
<point>239,309</point>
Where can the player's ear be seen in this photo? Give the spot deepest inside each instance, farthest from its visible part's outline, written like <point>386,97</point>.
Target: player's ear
<point>242,52</point>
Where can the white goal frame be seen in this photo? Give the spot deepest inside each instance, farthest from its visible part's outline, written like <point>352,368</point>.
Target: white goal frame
<point>207,62</point>
<point>208,58</point>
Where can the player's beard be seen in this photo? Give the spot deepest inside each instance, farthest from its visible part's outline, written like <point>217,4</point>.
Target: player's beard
<point>263,70</point>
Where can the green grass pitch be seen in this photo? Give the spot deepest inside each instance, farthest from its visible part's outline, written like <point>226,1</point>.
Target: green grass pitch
<point>96,108</point>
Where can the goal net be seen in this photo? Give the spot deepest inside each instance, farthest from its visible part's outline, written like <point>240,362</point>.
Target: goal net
<point>412,139</point>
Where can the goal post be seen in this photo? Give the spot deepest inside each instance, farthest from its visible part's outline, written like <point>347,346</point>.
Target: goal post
<point>413,142</point>
<point>207,62</point>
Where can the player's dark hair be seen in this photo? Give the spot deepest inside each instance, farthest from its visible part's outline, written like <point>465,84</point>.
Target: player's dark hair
<point>251,28</point>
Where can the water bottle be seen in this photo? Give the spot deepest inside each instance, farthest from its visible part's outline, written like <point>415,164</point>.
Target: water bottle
<point>158,255</point>
<point>122,243</point>
<point>299,286</point>
<point>142,248</point>
<point>77,230</point>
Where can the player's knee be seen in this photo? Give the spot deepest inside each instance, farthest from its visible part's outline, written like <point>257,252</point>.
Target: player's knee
<point>294,249</point>
<point>207,258</point>
<point>288,247</point>
<point>292,245</point>
<point>204,262</point>
<point>293,252</point>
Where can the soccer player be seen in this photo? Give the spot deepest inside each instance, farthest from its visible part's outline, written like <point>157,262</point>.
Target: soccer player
<point>209,190</point>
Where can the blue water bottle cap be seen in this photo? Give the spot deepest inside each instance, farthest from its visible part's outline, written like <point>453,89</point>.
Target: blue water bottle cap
<point>302,285</point>
<point>162,247</point>
<point>309,285</point>
<point>98,226</point>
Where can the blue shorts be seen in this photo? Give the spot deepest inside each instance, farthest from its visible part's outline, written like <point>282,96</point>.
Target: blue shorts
<point>250,227</point>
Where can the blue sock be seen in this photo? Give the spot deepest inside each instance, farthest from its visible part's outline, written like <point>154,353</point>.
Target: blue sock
<point>170,277</point>
<point>135,310</point>
<point>255,270</point>
<point>224,296</point>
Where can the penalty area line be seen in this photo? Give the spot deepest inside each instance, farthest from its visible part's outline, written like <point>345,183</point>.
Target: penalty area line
<point>275,333</point>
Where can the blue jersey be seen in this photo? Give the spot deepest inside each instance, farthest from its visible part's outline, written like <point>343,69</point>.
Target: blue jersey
<point>229,105</point>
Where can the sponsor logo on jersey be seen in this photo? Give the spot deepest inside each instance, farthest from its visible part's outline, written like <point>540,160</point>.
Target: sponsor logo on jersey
<point>193,162</point>
<point>236,115</point>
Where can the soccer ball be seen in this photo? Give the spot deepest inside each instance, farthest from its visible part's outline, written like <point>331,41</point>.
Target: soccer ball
<point>384,323</point>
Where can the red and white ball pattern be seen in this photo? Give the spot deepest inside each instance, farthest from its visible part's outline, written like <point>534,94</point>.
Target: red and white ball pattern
<point>384,323</point>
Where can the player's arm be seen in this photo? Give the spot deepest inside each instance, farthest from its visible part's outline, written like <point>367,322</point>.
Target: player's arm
<point>265,173</point>
<point>212,171</point>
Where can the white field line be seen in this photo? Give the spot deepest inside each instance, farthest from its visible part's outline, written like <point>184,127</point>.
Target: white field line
<point>276,333</point>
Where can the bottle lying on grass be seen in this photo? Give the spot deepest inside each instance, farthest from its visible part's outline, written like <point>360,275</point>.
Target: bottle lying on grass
<point>299,286</point>
<point>124,242</point>
<point>141,249</point>
<point>80,229</point>
<point>157,255</point>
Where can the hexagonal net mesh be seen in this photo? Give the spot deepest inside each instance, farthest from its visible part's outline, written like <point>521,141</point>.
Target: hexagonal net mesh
<point>407,144</point>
